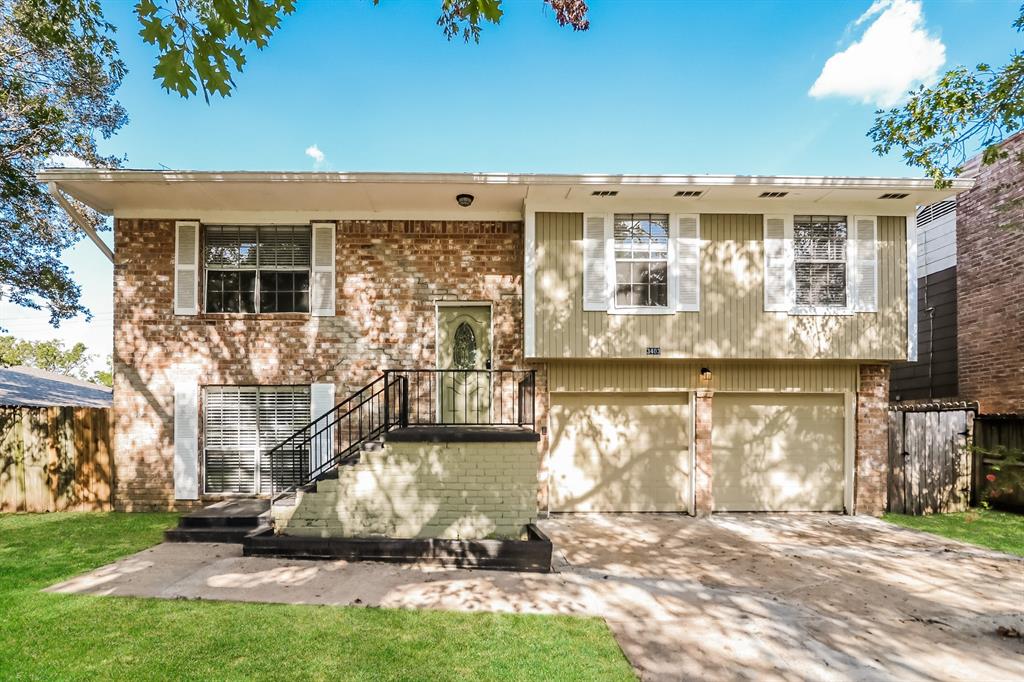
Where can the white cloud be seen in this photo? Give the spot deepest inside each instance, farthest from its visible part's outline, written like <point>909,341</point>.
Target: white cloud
<point>65,161</point>
<point>894,54</point>
<point>313,152</point>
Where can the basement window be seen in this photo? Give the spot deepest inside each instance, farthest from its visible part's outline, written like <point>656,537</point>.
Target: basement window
<point>242,424</point>
<point>820,260</point>
<point>257,269</point>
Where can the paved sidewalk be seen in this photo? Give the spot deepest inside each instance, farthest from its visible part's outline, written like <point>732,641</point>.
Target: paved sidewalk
<point>766,597</point>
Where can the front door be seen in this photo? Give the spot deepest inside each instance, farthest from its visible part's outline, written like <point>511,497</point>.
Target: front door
<point>464,347</point>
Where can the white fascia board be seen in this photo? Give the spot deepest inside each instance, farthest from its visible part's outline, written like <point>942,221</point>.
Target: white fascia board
<point>171,176</point>
<point>243,217</point>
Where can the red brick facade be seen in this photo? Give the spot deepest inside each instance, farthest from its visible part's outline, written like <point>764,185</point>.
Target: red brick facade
<point>990,284</point>
<point>388,276</point>
<point>871,464</point>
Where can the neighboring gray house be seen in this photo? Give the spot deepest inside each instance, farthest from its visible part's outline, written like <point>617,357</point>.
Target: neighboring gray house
<point>28,386</point>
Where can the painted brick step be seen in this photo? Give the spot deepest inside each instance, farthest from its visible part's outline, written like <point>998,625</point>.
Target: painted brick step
<point>217,534</point>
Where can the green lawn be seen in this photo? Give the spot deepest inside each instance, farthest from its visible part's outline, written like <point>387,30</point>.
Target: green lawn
<point>65,637</point>
<point>994,529</point>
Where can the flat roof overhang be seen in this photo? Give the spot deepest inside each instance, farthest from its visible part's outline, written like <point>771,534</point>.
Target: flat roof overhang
<point>187,194</point>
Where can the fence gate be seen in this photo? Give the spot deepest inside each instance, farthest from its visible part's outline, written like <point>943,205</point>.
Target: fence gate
<point>930,461</point>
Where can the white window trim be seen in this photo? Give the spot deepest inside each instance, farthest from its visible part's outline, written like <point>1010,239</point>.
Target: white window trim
<point>851,258</point>
<point>609,264</point>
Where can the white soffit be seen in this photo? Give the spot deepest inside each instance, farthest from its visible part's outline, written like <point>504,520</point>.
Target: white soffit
<point>177,193</point>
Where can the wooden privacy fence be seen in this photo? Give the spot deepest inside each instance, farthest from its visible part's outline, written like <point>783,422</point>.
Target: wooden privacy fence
<point>930,460</point>
<point>55,458</point>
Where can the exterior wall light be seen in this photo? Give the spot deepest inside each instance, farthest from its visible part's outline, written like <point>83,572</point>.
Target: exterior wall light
<point>464,200</point>
<point>705,375</point>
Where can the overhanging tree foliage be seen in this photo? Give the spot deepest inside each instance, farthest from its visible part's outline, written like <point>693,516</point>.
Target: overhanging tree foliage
<point>941,126</point>
<point>58,72</point>
<point>202,43</point>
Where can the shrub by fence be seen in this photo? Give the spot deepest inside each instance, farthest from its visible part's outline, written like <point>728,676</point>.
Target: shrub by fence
<point>55,458</point>
<point>998,465</point>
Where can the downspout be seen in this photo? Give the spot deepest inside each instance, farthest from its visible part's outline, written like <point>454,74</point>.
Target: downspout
<point>79,220</point>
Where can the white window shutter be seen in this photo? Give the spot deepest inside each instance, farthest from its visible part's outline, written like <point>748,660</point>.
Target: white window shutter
<point>778,239</point>
<point>321,400</point>
<point>865,259</point>
<point>596,228</point>
<point>686,237</point>
<point>186,268</point>
<point>322,280</point>
<point>186,441</point>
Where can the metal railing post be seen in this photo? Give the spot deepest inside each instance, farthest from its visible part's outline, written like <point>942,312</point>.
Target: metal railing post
<point>404,417</point>
<point>387,401</point>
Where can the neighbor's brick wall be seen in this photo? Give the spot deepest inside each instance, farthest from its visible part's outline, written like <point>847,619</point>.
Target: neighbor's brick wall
<point>871,461</point>
<point>389,273</point>
<point>990,283</point>
<point>467,491</point>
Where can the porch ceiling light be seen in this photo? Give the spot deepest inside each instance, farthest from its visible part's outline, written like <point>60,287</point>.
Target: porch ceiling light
<point>464,200</point>
<point>705,374</point>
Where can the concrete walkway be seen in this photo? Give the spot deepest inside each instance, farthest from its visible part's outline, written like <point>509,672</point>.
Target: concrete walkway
<point>788,597</point>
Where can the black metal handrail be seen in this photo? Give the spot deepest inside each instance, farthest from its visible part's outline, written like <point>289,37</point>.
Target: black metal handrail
<point>400,398</point>
<point>468,397</point>
<point>336,436</point>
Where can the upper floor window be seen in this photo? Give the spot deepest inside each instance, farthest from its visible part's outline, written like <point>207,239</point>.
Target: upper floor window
<point>641,260</point>
<point>257,269</point>
<point>819,250</point>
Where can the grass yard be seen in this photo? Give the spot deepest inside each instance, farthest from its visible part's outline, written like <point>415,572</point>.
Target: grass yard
<point>989,528</point>
<point>66,637</point>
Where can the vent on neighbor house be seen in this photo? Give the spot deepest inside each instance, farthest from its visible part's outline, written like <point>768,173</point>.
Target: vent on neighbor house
<point>689,193</point>
<point>773,195</point>
<point>894,195</point>
<point>604,193</point>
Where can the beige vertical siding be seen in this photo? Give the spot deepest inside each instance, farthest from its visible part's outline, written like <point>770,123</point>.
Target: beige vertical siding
<point>668,375</point>
<point>731,322</point>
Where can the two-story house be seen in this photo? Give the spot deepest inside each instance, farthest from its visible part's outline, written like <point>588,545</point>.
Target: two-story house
<point>676,343</point>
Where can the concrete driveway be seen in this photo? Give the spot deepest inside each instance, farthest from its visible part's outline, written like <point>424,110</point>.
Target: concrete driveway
<point>765,597</point>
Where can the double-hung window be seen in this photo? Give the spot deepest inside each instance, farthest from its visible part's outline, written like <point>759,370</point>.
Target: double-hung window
<point>820,261</point>
<point>257,269</point>
<point>242,424</point>
<point>641,260</point>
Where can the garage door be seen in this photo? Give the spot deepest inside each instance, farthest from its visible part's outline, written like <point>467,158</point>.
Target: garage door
<point>777,452</point>
<point>619,452</point>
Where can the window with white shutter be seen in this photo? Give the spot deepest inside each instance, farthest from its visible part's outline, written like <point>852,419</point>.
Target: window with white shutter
<point>641,253</point>
<point>595,271</point>
<point>257,269</point>
<point>865,289</point>
<point>323,284</point>
<point>687,261</point>
<point>242,425</point>
<point>820,271</point>
<point>186,441</point>
<point>777,278</point>
<point>186,268</point>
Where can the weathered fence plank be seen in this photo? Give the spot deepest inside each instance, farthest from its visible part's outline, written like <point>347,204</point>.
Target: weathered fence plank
<point>930,467</point>
<point>55,458</point>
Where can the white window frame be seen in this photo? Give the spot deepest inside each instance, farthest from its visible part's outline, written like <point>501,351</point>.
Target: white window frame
<point>671,276</point>
<point>257,450</point>
<point>791,259</point>
<point>257,268</point>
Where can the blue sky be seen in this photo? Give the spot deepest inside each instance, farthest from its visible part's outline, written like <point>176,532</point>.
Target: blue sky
<point>655,86</point>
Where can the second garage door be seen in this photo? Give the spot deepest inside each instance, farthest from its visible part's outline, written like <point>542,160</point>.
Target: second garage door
<point>777,452</point>
<point>621,452</point>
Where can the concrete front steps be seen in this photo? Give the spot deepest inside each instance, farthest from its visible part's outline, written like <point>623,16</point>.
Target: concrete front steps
<point>229,521</point>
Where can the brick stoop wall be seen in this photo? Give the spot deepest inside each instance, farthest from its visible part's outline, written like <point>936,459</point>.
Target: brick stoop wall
<point>466,491</point>
<point>389,274</point>
<point>871,463</point>
<point>990,295</point>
